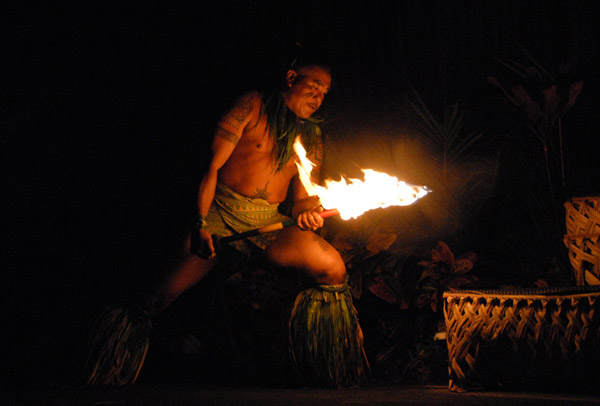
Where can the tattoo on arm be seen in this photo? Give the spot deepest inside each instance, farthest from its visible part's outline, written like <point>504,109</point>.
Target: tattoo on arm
<point>261,193</point>
<point>239,113</point>
<point>227,135</point>
<point>242,109</point>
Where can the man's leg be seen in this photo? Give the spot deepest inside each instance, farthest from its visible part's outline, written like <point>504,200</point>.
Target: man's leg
<point>326,340</point>
<point>190,271</point>
<point>122,336</point>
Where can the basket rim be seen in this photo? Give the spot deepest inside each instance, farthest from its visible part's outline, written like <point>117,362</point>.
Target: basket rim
<point>530,293</point>
<point>581,198</point>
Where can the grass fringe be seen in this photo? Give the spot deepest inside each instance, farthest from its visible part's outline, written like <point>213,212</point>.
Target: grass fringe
<point>119,346</point>
<point>326,341</point>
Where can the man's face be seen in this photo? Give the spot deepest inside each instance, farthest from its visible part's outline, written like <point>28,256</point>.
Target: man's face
<point>306,90</point>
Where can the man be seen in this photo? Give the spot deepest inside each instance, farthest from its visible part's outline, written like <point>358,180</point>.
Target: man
<point>251,170</point>
<point>250,165</point>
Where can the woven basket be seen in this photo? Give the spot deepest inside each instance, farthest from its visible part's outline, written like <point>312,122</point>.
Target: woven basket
<point>523,338</point>
<point>582,238</point>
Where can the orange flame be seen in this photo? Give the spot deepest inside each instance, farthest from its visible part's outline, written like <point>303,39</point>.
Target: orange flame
<point>353,198</point>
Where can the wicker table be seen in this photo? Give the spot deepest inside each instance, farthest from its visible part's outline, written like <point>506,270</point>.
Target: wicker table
<point>523,338</point>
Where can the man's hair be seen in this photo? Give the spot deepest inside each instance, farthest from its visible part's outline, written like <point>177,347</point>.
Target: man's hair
<point>304,57</point>
<point>284,126</point>
<point>299,63</point>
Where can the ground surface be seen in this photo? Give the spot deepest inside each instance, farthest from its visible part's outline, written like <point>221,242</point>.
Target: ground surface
<point>183,395</point>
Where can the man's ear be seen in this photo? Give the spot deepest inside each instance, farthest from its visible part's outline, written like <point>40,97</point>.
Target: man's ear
<point>290,77</point>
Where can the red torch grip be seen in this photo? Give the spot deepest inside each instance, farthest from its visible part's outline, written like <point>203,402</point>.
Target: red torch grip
<point>328,213</point>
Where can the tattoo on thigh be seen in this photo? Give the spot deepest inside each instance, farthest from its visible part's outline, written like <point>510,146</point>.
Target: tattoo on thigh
<point>227,135</point>
<point>324,245</point>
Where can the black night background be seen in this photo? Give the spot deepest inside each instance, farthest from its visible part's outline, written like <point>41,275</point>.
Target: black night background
<point>107,111</point>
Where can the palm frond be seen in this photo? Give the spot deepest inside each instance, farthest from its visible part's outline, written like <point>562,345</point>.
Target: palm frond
<point>514,67</point>
<point>461,148</point>
<point>447,140</point>
<point>534,60</point>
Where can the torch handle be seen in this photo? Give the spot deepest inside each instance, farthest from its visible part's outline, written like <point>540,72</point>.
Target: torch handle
<point>218,242</point>
<point>272,227</point>
<point>328,213</point>
<point>257,231</point>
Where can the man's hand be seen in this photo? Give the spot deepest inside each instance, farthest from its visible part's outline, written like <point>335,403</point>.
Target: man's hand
<point>310,218</point>
<point>202,244</point>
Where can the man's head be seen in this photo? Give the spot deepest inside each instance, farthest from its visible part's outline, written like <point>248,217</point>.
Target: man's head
<point>306,88</point>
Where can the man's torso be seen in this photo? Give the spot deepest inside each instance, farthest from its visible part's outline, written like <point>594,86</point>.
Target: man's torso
<point>251,169</point>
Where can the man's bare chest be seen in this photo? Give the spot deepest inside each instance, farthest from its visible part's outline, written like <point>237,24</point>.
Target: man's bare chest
<point>257,138</point>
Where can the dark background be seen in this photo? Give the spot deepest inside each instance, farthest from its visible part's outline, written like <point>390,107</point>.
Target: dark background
<point>107,110</point>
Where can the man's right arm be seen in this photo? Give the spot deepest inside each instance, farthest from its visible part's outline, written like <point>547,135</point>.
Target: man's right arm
<point>229,131</point>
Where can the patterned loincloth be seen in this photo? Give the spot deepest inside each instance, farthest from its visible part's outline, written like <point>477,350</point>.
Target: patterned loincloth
<point>232,213</point>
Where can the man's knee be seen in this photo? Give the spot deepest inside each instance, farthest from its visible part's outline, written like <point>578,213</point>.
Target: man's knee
<point>337,278</point>
<point>333,271</point>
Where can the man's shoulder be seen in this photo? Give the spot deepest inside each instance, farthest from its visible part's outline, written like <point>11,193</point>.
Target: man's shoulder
<point>247,106</point>
<point>251,102</point>
<point>250,96</point>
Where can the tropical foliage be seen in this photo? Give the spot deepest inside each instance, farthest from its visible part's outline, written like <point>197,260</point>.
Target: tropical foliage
<point>545,99</point>
<point>536,165</point>
<point>446,139</point>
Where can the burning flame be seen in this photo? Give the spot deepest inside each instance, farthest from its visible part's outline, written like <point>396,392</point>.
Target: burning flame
<point>378,190</point>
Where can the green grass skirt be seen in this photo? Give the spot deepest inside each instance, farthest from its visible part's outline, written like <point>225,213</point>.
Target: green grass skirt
<point>119,347</point>
<point>326,340</point>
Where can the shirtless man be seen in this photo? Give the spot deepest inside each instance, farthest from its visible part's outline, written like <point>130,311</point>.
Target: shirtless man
<point>251,169</point>
<point>245,163</point>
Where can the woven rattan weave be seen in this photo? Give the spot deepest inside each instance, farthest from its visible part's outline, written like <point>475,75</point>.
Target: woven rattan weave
<point>583,238</point>
<point>523,338</point>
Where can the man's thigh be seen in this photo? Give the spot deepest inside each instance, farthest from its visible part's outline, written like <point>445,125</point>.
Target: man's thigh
<point>297,248</point>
